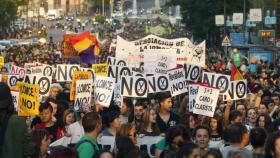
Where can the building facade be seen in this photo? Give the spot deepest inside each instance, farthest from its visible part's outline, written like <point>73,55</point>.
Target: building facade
<point>66,6</point>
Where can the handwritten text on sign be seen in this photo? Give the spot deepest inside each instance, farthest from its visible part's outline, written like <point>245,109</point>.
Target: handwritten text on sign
<point>206,101</point>
<point>103,90</point>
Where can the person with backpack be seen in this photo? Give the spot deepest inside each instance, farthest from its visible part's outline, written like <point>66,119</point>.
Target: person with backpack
<point>87,146</point>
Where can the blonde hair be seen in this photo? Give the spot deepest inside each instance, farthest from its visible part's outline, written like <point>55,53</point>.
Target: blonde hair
<point>124,130</point>
<point>146,121</point>
<point>66,113</point>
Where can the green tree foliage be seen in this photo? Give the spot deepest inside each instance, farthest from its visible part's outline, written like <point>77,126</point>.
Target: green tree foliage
<point>199,15</point>
<point>8,11</point>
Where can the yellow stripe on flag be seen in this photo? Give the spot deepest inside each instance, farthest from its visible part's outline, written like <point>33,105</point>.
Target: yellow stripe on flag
<point>83,45</point>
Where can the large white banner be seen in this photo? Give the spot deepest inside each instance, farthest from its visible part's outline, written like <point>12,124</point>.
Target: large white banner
<point>206,101</point>
<point>103,90</point>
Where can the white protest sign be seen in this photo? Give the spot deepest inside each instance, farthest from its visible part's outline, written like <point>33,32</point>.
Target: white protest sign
<point>116,61</point>
<point>83,94</point>
<point>15,96</point>
<point>36,70</point>
<point>237,90</point>
<point>192,72</point>
<point>178,82</point>
<point>117,72</point>
<point>198,54</point>
<point>134,86</point>
<point>48,70</point>
<point>147,143</point>
<point>103,90</point>
<point>193,90</point>
<point>17,71</point>
<point>44,83</point>
<point>64,72</point>
<point>206,101</point>
<point>12,80</point>
<point>117,94</point>
<point>219,81</point>
<point>158,83</point>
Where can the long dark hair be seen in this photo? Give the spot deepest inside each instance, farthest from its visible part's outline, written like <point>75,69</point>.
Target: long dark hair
<point>268,123</point>
<point>270,145</point>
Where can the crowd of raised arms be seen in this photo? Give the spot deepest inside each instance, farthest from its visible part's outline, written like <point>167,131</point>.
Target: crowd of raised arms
<point>246,128</point>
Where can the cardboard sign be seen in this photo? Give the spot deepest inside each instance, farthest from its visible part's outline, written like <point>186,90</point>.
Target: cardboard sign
<point>78,75</point>
<point>28,102</point>
<point>100,69</point>
<point>2,61</point>
<point>83,94</point>
<point>158,83</point>
<point>15,96</point>
<point>64,72</point>
<point>134,86</point>
<point>44,83</point>
<point>206,101</point>
<point>12,80</point>
<point>192,72</point>
<point>219,81</point>
<point>116,61</point>
<point>237,90</point>
<point>193,90</point>
<point>103,90</point>
<point>178,82</point>
<point>17,71</point>
<point>117,72</point>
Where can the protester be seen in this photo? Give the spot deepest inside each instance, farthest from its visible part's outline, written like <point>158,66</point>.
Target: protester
<point>123,145</point>
<point>104,154</point>
<point>127,111</point>
<point>257,140</point>
<point>138,111</point>
<point>87,146</point>
<point>149,125</point>
<point>272,145</point>
<point>112,122</point>
<point>76,130</point>
<point>128,130</point>
<point>201,137</point>
<point>213,153</point>
<point>68,119</point>
<point>54,90</point>
<point>168,154</point>
<point>62,152</point>
<point>189,150</point>
<point>188,121</point>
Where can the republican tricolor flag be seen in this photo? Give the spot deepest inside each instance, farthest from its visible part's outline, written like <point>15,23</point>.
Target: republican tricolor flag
<point>235,73</point>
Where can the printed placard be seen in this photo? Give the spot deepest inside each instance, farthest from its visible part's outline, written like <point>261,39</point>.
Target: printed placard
<point>83,94</point>
<point>103,90</point>
<point>28,103</point>
<point>219,81</point>
<point>78,75</point>
<point>117,72</point>
<point>64,72</point>
<point>237,90</point>
<point>178,82</point>
<point>44,83</point>
<point>158,83</point>
<point>100,69</point>
<point>192,72</point>
<point>17,71</point>
<point>193,90</point>
<point>206,101</point>
<point>134,86</point>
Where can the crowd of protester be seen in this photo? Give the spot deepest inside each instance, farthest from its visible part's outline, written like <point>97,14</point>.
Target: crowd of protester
<point>243,128</point>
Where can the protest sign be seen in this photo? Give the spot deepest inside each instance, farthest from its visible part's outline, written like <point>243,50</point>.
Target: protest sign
<point>178,82</point>
<point>28,102</point>
<point>219,81</point>
<point>8,67</point>
<point>15,96</point>
<point>78,75</point>
<point>237,90</point>
<point>12,80</point>
<point>44,83</point>
<point>48,70</point>
<point>83,94</point>
<point>64,72</point>
<point>193,90</point>
<point>2,61</point>
<point>36,70</point>
<point>198,54</point>
<point>158,83</point>
<point>206,101</point>
<point>117,72</point>
<point>100,69</point>
<point>116,61</point>
<point>134,86</point>
<point>103,90</point>
<point>17,71</point>
<point>192,72</point>
<point>117,94</point>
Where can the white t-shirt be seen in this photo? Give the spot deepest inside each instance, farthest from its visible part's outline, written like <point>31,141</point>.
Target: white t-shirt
<point>76,131</point>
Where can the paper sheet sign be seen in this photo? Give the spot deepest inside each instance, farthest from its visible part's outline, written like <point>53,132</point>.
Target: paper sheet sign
<point>83,95</point>
<point>103,90</point>
<point>78,75</point>
<point>206,101</point>
<point>100,69</point>
<point>28,103</point>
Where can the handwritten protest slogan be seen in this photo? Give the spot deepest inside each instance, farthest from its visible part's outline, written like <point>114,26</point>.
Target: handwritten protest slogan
<point>103,92</point>
<point>78,75</point>
<point>83,94</point>
<point>206,101</point>
<point>28,103</point>
<point>100,69</point>
<point>193,90</point>
<point>178,83</point>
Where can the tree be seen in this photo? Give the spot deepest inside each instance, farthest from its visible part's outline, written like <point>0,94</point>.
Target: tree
<point>8,11</point>
<point>199,16</point>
